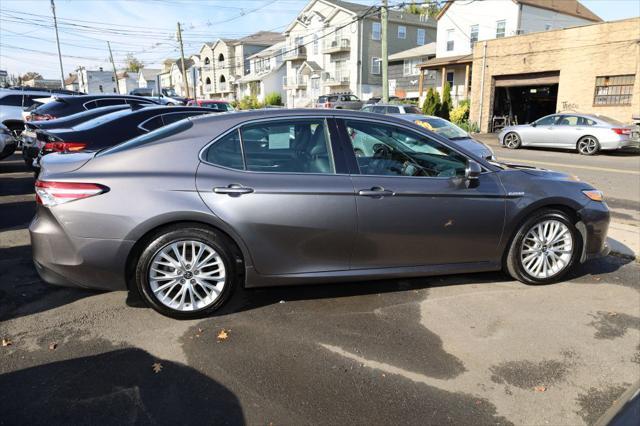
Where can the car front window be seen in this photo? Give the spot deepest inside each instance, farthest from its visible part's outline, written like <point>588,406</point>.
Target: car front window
<point>388,150</point>
<point>547,121</point>
<point>412,110</point>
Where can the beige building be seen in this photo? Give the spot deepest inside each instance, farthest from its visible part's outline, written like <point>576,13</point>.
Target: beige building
<point>588,69</point>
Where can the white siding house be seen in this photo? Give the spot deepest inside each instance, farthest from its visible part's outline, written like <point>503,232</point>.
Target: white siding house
<point>147,77</point>
<point>266,74</point>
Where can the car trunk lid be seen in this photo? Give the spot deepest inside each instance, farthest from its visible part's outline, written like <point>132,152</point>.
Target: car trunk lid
<point>64,162</point>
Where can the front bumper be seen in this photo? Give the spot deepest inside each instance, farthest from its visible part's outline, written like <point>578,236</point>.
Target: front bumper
<point>593,226</point>
<point>63,259</point>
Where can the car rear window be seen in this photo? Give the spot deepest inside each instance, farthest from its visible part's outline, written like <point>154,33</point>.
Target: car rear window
<point>147,138</point>
<point>11,100</point>
<point>53,107</point>
<point>332,98</point>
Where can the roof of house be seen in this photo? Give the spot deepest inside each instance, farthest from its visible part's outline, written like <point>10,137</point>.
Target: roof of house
<point>269,51</point>
<point>150,73</point>
<point>448,60</point>
<point>187,64</point>
<point>71,79</point>
<point>428,49</point>
<point>266,38</point>
<point>567,7</point>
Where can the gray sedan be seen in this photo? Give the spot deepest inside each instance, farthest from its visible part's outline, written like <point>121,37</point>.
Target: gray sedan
<point>185,213</point>
<point>588,134</point>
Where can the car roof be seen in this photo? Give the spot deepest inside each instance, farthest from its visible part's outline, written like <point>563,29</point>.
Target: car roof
<point>7,92</point>
<point>212,101</point>
<point>86,98</point>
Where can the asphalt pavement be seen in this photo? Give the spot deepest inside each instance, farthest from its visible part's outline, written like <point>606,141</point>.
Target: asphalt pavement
<point>473,349</point>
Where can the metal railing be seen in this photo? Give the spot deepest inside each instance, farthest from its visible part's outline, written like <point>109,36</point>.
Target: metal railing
<point>337,78</point>
<point>295,52</point>
<point>293,81</point>
<point>335,45</point>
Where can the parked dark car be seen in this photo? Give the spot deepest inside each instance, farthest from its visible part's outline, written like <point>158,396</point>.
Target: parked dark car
<point>62,106</point>
<point>187,212</point>
<point>7,142</point>
<point>110,129</point>
<point>30,147</point>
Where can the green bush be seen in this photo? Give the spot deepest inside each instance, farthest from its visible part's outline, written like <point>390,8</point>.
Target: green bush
<point>249,102</point>
<point>460,114</point>
<point>445,106</point>
<point>469,127</point>
<point>273,99</point>
<point>431,103</point>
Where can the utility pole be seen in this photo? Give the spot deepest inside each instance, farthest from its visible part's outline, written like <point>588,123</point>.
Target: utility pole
<point>55,24</point>
<point>115,73</point>
<point>185,81</point>
<point>385,58</point>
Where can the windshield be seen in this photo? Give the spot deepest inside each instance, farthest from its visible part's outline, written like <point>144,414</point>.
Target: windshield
<point>154,135</point>
<point>169,92</point>
<point>442,127</point>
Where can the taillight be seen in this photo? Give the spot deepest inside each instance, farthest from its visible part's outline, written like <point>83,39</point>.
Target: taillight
<point>327,105</point>
<point>51,194</point>
<point>64,146</point>
<point>622,131</point>
<point>39,117</point>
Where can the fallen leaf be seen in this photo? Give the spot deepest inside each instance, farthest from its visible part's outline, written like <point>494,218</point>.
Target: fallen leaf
<point>53,346</point>
<point>157,367</point>
<point>223,335</point>
<point>540,389</point>
<point>6,342</point>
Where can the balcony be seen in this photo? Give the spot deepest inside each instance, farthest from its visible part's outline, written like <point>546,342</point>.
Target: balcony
<point>295,53</point>
<point>208,88</point>
<point>293,82</point>
<point>337,78</point>
<point>337,45</point>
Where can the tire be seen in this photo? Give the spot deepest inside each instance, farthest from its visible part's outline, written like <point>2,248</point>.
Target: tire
<point>189,278</point>
<point>521,265</point>
<point>512,140</point>
<point>588,145</point>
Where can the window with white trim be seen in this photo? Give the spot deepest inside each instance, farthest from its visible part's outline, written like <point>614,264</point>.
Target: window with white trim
<point>422,35</point>
<point>376,65</point>
<point>473,34</point>
<point>450,35</point>
<point>501,27</point>
<point>410,67</point>
<point>402,32</point>
<point>376,30</point>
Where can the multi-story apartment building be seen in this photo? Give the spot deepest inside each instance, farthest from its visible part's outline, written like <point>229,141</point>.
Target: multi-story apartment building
<point>100,81</point>
<point>226,61</point>
<point>266,74</point>
<point>335,46</point>
<point>404,71</point>
<point>462,24</point>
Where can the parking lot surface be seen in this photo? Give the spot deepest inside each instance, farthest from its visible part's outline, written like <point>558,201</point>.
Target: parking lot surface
<point>461,350</point>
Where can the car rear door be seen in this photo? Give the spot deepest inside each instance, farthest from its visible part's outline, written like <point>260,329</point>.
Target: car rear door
<point>283,187</point>
<point>414,206</point>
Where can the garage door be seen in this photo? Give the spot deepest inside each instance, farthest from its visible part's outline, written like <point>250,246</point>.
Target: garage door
<point>529,79</point>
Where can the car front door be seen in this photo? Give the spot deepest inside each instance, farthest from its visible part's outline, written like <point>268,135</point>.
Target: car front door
<point>414,205</point>
<point>543,132</point>
<point>276,183</point>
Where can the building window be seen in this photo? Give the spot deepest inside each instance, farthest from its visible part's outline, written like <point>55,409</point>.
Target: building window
<point>410,67</point>
<point>375,65</point>
<point>614,90</point>
<point>450,76</point>
<point>450,34</point>
<point>473,34</point>
<point>501,28</point>
<point>402,32</point>
<point>422,34</point>
<point>315,44</point>
<point>375,31</point>
<point>221,58</point>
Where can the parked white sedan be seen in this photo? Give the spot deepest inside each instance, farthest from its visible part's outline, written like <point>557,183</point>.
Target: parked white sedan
<point>584,132</point>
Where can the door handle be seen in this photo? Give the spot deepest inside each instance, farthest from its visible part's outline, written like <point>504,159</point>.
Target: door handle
<point>233,189</point>
<point>376,191</point>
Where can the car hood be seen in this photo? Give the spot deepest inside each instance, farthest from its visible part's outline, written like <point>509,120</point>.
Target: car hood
<point>538,172</point>
<point>475,147</point>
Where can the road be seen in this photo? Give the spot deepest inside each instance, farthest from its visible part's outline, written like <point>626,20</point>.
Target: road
<point>617,174</point>
<point>474,349</point>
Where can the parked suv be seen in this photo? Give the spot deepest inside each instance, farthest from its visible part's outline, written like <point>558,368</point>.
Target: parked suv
<point>62,106</point>
<point>339,101</point>
<point>167,96</point>
<point>392,109</point>
<point>13,103</point>
<point>7,142</point>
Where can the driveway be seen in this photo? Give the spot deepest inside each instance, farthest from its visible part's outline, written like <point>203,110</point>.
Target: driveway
<point>467,349</point>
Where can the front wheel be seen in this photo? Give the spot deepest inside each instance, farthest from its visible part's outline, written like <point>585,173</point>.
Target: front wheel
<point>186,272</point>
<point>588,145</point>
<point>544,249</point>
<point>512,140</point>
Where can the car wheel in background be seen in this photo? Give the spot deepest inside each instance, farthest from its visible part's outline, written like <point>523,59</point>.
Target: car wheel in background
<point>512,140</point>
<point>588,145</point>
<point>186,271</point>
<point>544,249</point>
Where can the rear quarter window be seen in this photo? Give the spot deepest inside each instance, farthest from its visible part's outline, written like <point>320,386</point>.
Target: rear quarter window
<point>11,100</point>
<point>226,152</point>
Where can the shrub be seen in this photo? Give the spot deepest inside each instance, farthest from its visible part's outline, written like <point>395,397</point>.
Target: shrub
<point>249,102</point>
<point>469,127</point>
<point>445,106</point>
<point>460,114</point>
<point>273,99</point>
<point>431,103</point>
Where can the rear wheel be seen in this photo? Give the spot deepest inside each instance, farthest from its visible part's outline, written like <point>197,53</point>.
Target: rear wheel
<point>512,140</point>
<point>588,145</point>
<point>186,272</point>
<point>544,249</point>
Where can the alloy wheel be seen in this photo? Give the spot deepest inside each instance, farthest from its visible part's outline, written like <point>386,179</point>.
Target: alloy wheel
<point>547,249</point>
<point>187,275</point>
<point>512,141</point>
<point>588,145</point>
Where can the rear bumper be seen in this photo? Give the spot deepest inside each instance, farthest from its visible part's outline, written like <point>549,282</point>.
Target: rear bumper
<point>593,226</point>
<point>62,259</point>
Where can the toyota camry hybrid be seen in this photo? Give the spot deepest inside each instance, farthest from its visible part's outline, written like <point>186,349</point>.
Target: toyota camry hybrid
<point>186,213</point>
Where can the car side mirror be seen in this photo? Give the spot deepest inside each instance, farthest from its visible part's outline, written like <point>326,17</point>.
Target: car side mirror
<point>533,124</point>
<point>473,170</point>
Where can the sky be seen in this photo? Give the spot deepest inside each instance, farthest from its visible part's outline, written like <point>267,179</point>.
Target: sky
<point>147,28</point>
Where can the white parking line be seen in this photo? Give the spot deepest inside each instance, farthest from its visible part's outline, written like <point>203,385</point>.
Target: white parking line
<point>572,166</point>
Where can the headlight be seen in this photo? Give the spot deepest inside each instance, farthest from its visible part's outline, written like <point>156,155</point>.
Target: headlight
<point>594,195</point>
